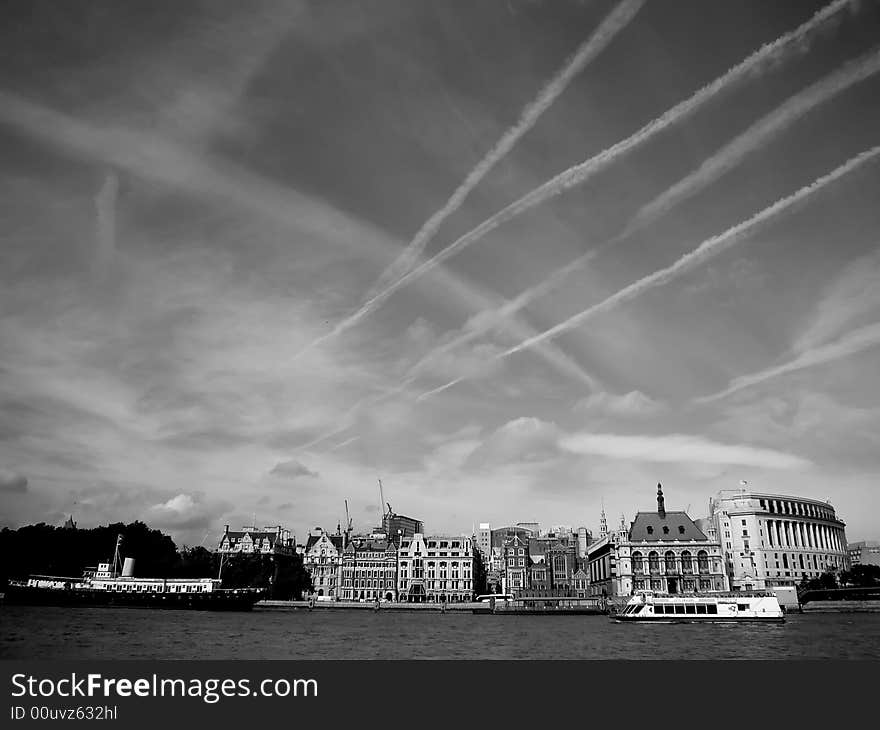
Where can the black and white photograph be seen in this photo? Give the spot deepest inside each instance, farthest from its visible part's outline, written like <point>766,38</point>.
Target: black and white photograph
<point>438,330</point>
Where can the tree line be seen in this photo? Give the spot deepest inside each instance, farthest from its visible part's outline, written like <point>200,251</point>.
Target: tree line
<point>43,549</point>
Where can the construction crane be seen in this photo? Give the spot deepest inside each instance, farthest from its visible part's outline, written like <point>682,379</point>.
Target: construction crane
<point>382,501</point>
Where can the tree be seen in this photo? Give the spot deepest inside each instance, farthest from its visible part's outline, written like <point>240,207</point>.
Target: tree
<point>861,576</point>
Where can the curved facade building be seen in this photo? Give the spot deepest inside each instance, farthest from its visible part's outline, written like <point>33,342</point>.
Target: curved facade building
<point>776,540</point>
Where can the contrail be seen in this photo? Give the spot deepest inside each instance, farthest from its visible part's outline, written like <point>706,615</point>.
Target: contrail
<point>851,343</point>
<point>613,23</point>
<point>756,136</point>
<point>580,173</point>
<point>709,248</point>
<point>105,215</point>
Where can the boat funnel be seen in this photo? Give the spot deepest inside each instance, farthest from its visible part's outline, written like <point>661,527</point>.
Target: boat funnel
<point>128,568</point>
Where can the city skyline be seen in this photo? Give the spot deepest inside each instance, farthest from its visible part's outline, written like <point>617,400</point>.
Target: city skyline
<point>517,260</point>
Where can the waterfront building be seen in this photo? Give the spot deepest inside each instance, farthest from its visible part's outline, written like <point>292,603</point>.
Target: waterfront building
<point>435,568</point>
<point>516,564</point>
<point>580,584</point>
<point>369,569</point>
<point>776,540</point>
<point>660,551</point>
<point>249,540</point>
<point>322,558</point>
<point>865,552</point>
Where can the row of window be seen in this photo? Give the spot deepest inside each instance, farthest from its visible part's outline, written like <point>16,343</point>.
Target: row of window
<point>786,507</point>
<point>670,562</point>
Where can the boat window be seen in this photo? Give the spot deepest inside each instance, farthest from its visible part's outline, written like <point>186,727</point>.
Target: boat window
<point>701,608</point>
<point>742,606</point>
<point>690,608</point>
<point>712,608</point>
<point>679,608</point>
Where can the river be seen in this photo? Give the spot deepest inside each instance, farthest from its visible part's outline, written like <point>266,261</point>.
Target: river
<point>125,633</point>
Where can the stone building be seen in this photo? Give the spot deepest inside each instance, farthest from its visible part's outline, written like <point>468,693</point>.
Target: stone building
<point>660,551</point>
<point>435,568</point>
<point>369,570</point>
<point>775,540</point>
<point>266,541</point>
<point>322,558</point>
<point>516,564</point>
<point>865,552</point>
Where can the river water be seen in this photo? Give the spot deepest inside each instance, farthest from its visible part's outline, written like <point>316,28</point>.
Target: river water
<point>125,633</point>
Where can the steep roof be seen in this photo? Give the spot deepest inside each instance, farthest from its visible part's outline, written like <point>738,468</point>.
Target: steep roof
<point>680,527</point>
<point>255,536</point>
<point>335,539</point>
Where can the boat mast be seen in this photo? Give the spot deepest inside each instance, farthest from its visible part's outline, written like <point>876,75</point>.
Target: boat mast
<point>117,561</point>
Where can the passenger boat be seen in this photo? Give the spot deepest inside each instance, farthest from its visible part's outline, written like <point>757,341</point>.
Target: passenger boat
<point>651,607</point>
<point>108,586</point>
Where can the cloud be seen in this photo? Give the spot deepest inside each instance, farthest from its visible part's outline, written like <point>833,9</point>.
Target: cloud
<point>105,211</point>
<point>179,504</point>
<point>12,482</point>
<point>634,403</point>
<point>185,516</point>
<point>853,295</point>
<point>522,440</point>
<point>677,448</point>
<point>292,469</point>
<point>615,22</point>
<point>755,64</point>
<point>852,343</point>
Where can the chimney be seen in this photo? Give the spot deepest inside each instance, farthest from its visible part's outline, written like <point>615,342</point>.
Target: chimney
<point>661,509</point>
<point>226,530</point>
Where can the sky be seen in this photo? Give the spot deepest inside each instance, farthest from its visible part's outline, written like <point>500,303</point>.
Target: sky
<point>521,260</point>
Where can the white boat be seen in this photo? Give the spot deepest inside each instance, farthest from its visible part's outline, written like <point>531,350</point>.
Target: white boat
<point>651,607</point>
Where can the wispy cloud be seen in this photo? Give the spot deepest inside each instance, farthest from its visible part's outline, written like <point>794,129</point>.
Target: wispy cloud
<point>105,212</point>
<point>635,403</point>
<point>292,469</point>
<point>12,481</point>
<point>852,296</point>
<point>616,21</point>
<point>731,154</point>
<point>678,448</point>
<point>169,162</point>
<point>768,54</point>
<point>708,249</point>
<point>850,344</point>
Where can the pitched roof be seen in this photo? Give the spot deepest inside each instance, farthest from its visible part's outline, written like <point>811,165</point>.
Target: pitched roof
<point>255,536</point>
<point>336,540</point>
<point>680,527</point>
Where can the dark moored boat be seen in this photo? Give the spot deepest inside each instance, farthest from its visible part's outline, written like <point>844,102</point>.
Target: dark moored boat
<point>105,586</point>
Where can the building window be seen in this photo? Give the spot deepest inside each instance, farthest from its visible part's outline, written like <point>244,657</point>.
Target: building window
<point>703,561</point>
<point>687,565</point>
<point>653,562</point>
<point>637,562</point>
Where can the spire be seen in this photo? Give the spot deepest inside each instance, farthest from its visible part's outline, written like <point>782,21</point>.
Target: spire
<point>603,522</point>
<point>661,509</point>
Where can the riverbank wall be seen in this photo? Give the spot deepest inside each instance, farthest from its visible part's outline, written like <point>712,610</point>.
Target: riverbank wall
<point>841,607</point>
<point>357,606</point>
